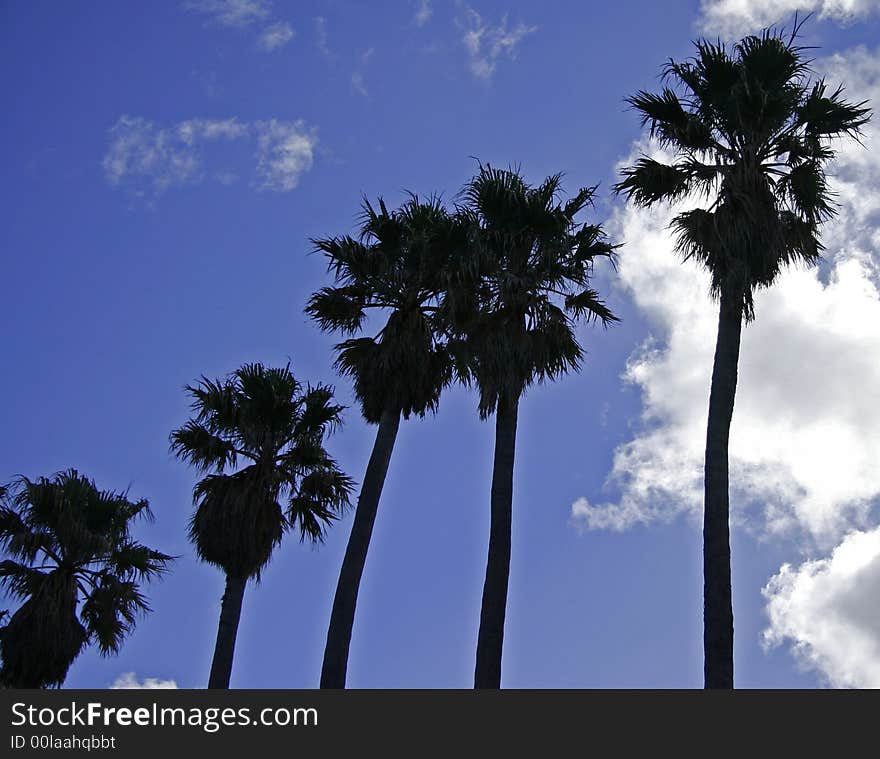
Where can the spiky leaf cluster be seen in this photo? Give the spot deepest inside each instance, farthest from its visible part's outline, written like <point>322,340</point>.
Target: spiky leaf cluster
<point>393,270</point>
<point>77,569</point>
<point>512,304</point>
<point>752,132</point>
<point>264,419</point>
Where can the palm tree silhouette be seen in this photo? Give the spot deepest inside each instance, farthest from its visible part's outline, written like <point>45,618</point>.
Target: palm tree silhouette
<point>77,569</point>
<point>512,323</point>
<point>264,416</point>
<point>751,132</point>
<point>394,267</point>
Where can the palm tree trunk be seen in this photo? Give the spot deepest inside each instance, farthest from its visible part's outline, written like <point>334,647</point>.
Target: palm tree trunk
<point>342,617</point>
<point>717,595</point>
<point>490,638</point>
<point>224,648</point>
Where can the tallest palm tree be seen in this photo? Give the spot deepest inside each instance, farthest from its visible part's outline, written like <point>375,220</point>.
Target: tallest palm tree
<point>750,131</point>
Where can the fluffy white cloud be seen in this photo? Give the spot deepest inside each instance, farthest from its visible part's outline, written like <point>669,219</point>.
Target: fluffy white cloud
<point>805,440</point>
<point>285,150</point>
<point>276,36</point>
<point>148,159</point>
<point>128,681</point>
<point>486,44</point>
<point>827,611</point>
<point>733,18</point>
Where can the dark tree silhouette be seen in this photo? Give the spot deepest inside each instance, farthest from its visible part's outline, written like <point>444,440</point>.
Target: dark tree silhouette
<point>750,132</point>
<point>265,417</point>
<point>392,269</point>
<point>77,570</point>
<point>511,313</point>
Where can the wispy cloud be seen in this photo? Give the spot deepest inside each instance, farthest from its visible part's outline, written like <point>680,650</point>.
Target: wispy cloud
<point>485,45</point>
<point>276,35</point>
<point>151,158</point>
<point>423,12</point>
<point>358,83</point>
<point>128,681</point>
<point>234,13</point>
<point>321,37</point>
<point>147,159</point>
<point>246,14</point>
<point>733,18</point>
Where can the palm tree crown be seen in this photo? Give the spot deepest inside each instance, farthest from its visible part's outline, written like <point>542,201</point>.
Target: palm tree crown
<point>750,131</point>
<point>394,266</point>
<point>76,567</point>
<point>265,417</point>
<point>530,265</point>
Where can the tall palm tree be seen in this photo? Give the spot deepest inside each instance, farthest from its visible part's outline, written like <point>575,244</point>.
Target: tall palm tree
<point>77,569</point>
<point>393,268</point>
<point>750,132</point>
<point>265,417</point>
<point>533,263</point>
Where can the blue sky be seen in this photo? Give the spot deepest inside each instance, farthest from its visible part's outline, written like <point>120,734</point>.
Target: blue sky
<point>164,168</point>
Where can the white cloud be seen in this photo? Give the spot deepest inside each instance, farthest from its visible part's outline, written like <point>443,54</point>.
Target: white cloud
<point>805,440</point>
<point>486,44</point>
<point>148,159</point>
<point>192,130</point>
<point>234,13</point>
<point>276,36</point>
<point>143,154</point>
<point>245,14</point>
<point>285,150</point>
<point>128,680</point>
<point>734,18</point>
<point>423,12</point>
<point>827,611</point>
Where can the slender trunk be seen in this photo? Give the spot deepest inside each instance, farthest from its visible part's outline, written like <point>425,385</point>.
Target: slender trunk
<point>717,595</point>
<point>224,648</point>
<point>490,639</point>
<point>344,603</point>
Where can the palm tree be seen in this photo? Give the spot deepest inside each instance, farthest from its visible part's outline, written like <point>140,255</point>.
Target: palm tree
<point>77,570</point>
<point>513,325</point>
<point>265,417</point>
<point>393,267</point>
<point>750,132</point>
